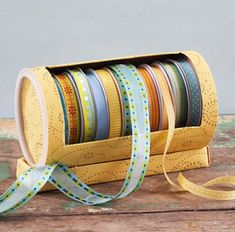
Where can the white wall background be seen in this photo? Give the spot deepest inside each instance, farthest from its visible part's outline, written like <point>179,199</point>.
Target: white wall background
<point>60,31</point>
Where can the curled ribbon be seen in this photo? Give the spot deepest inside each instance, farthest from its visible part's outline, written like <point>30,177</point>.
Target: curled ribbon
<point>183,183</point>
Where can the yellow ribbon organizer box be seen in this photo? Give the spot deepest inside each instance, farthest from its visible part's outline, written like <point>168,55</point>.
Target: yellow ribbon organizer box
<point>60,116</point>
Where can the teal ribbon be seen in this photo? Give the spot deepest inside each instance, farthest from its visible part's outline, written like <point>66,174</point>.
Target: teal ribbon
<point>194,90</point>
<point>62,100</point>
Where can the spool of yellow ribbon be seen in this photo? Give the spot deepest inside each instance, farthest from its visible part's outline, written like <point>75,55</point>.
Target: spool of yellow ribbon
<point>86,104</point>
<point>114,103</point>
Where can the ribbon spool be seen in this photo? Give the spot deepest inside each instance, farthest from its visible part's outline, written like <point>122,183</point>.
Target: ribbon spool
<point>101,105</point>
<point>154,95</point>
<point>114,102</point>
<point>71,106</point>
<point>86,104</point>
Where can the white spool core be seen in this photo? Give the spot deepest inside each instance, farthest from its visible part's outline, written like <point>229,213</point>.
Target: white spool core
<point>19,117</point>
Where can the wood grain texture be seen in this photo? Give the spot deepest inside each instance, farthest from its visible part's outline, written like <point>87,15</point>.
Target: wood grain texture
<point>167,222</point>
<point>156,206</point>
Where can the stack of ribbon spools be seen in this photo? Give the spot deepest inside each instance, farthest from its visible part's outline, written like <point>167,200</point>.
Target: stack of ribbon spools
<point>113,119</point>
<point>95,102</point>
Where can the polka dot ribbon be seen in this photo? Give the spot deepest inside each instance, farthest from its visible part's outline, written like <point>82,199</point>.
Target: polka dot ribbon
<point>29,183</point>
<point>86,101</point>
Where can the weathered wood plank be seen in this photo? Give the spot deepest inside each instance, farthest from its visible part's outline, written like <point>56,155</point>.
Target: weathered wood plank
<point>169,222</point>
<point>10,148</point>
<point>7,129</point>
<point>155,196</point>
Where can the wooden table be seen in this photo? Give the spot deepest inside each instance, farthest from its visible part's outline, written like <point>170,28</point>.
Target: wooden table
<point>155,207</point>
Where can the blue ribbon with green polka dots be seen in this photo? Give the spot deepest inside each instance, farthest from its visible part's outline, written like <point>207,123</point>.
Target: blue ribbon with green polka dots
<point>194,91</point>
<point>29,183</point>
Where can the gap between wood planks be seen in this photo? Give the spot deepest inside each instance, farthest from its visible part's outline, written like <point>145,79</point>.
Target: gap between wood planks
<point>100,213</point>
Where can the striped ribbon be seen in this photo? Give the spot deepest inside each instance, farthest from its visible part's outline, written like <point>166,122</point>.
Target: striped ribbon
<point>162,80</point>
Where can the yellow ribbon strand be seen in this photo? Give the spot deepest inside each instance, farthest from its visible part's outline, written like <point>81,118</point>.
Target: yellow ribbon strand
<point>183,183</point>
<point>200,190</point>
<point>171,119</point>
